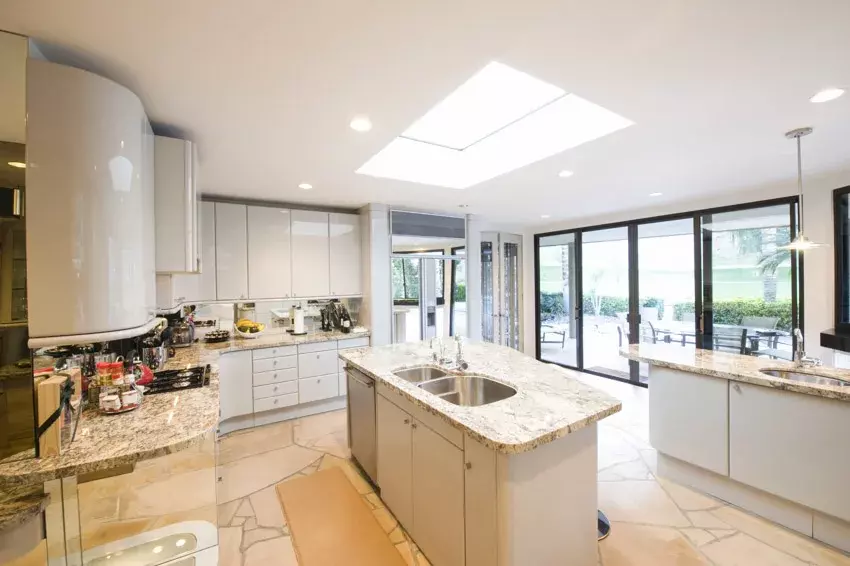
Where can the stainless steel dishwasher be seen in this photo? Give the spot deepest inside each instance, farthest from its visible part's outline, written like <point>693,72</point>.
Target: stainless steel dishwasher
<point>361,421</point>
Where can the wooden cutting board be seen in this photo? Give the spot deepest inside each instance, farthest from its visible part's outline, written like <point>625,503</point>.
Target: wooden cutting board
<point>48,396</point>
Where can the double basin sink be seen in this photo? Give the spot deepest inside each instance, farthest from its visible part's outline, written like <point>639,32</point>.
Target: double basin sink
<point>462,390</point>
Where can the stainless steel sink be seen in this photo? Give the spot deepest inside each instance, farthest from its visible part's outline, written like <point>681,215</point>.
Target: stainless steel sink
<point>804,377</point>
<point>468,390</point>
<point>420,374</point>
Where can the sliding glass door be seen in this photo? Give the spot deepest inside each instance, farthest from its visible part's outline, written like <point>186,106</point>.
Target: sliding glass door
<point>717,279</point>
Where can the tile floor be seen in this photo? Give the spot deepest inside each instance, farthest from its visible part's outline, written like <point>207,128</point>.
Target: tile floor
<point>655,522</point>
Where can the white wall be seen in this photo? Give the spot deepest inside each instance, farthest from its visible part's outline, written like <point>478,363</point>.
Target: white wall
<point>376,311</point>
<point>818,270</point>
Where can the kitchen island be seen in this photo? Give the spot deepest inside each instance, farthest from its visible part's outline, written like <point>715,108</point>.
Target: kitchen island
<point>509,482</point>
<point>732,426</point>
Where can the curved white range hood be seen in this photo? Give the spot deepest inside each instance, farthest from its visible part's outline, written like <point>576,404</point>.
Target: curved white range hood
<point>90,208</point>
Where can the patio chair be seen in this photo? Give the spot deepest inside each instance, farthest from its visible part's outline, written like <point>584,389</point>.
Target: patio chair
<point>767,322</point>
<point>648,333</point>
<point>549,328</point>
<point>622,334</point>
<point>730,340</point>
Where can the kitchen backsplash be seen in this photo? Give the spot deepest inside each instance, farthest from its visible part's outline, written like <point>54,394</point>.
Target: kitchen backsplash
<point>225,313</point>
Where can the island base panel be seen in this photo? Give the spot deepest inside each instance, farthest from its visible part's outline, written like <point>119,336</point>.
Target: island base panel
<point>829,530</point>
<point>547,502</point>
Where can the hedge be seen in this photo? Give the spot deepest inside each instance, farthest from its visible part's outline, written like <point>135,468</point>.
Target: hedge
<point>725,312</point>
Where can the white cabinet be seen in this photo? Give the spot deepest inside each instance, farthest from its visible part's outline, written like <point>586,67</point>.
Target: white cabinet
<point>318,388</point>
<point>177,226</point>
<point>231,245</point>
<point>310,254</point>
<point>480,496</point>
<point>175,289</point>
<point>344,231</point>
<point>791,445</point>
<point>206,279</point>
<point>318,363</point>
<point>686,406</point>
<point>269,260</point>
<point>236,388</point>
<point>438,497</point>
<point>395,460</point>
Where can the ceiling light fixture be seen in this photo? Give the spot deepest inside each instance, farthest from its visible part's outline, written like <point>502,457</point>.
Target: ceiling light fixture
<point>499,120</point>
<point>305,186</point>
<point>18,164</point>
<point>360,123</point>
<point>801,242</point>
<point>564,174</point>
<point>655,194</point>
<point>545,216</point>
<point>827,94</point>
<point>157,549</point>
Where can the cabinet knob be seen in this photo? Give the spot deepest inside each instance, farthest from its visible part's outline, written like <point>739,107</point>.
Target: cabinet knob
<point>406,421</point>
<point>469,465</point>
<point>736,387</point>
<point>413,425</point>
<point>318,381</point>
<point>275,401</point>
<point>275,388</point>
<point>318,356</point>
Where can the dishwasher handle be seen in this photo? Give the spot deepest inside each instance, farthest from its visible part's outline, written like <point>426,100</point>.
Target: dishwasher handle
<point>353,375</point>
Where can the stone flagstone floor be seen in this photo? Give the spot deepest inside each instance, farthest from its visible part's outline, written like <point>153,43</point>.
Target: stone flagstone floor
<point>655,521</point>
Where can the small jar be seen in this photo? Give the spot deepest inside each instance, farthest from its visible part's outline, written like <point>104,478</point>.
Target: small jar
<point>104,374</point>
<point>129,398</point>
<point>110,402</point>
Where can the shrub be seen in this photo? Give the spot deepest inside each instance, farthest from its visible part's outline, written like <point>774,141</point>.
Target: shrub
<point>460,293</point>
<point>731,312</point>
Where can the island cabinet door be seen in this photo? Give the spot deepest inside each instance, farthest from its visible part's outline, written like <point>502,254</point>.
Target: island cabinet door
<point>438,497</point>
<point>395,460</point>
<point>482,529</point>
<point>791,445</point>
<point>689,418</point>
<point>236,385</point>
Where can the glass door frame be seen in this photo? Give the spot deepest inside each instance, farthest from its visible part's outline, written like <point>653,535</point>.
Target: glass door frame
<point>499,298</point>
<point>702,264</point>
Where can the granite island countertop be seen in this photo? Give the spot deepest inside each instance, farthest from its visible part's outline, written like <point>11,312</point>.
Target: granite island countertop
<point>550,402</point>
<point>164,424</point>
<point>737,367</point>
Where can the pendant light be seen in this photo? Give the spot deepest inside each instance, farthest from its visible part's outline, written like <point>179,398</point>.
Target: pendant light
<point>801,242</point>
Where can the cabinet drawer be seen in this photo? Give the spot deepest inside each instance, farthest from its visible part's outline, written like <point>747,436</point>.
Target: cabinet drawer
<point>275,352</point>
<point>317,347</point>
<point>271,364</point>
<point>317,363</point>
<point>276,376</point>
<point>316,388</point>
<point>270,403</point>
<point>353,343</point>
<point>343,384</point>
<point>275,390</point>
<point>341,365</point>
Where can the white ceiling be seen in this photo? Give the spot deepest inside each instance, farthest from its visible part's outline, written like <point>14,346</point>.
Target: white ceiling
<point>267,89</point>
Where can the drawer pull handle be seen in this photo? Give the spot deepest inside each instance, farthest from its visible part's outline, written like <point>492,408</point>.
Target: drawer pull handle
<point>275,401</point>
<point>469,465</point>
<point>318,381</point>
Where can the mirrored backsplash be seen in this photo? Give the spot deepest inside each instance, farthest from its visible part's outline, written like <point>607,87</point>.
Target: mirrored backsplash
<point>273,313</point>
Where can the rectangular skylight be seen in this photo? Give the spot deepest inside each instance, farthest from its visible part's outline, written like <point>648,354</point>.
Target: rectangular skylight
<point>497,121</point>
<point>493,98</point>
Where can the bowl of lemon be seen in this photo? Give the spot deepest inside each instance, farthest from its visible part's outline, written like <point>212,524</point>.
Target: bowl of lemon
<point>245,328</point>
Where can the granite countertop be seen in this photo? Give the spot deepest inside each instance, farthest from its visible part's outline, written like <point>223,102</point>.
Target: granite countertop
<point>19,505</point>
<point>165,423</point>
<point>737,367</point>
<point>549,404</point>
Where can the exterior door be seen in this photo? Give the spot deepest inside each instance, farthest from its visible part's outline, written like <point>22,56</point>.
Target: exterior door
<point>501,288</point>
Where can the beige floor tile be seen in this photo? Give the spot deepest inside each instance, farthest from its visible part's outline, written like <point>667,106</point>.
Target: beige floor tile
<point>650,458</point>
<point>779,538</point>
<point>179,492</point>
<point>698,536</point>
<point>229,541</point>
<point>613,448</point>
<point>403,548</point>
<point>251,537</point>
<point>634,470</point>
<point>360,484</point>
<point>267,508</point>
<point>254,441</point>
<point>245,509</point>
<point>686,498</point>
<point>316,426</point>
<point>706,520</point>
<point>253,473</point>
<point>641,502</point>
<point>226,512</point>
<point>397,536</point>
<point>238,521</point>
<point>385,519</point>
<point>722,533</point>
<point>272,552</point>
<point>374,500</point>
<point>250,524</point>
<point>743,550</point>
<point>638,545</point>
<point>335,443</point>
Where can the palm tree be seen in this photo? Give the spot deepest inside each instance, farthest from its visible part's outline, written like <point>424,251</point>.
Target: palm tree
<point>768,243</point>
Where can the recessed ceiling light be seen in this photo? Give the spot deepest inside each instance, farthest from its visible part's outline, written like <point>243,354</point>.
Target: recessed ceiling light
<point>305,186</point>
<point>157,549</point>
<point>565,174</point>
<point>361,124</point>
<point>463,205</point>
<point>499,120</point>
<point>827,94</point>
<point>18,164</point>
<point>655,194</point>
<point>180,542</point>
<point>544,216</point>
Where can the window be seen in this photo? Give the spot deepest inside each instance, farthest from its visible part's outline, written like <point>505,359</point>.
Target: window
<point>406,281</point>
<point>841,212</point>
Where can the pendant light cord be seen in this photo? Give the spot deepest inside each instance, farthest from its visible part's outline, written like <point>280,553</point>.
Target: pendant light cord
<point>800,185</point>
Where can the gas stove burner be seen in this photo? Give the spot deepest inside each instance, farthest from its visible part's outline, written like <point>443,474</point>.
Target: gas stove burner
<point>176,380</point>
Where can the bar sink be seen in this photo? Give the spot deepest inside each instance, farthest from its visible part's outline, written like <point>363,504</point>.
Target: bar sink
<point>420,374</point>
<point>468,390</point>
<point>804,377</point>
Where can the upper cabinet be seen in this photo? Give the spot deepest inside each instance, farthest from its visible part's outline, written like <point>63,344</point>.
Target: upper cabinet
<point>345,267</point>
<point>177,226</point>
<point>310,254</point>
<point>231,245</point>
<point>269,258</point>
<point>206,283</point>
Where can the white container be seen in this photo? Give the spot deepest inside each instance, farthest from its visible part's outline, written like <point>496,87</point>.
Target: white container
<point>110,402</point>
<point>130,398</point>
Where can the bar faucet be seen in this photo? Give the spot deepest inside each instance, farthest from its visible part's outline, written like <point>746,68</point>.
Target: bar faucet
<point>440,358</point>
<point>800,354</point>
<point>459,361</point>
